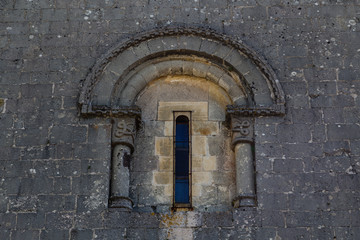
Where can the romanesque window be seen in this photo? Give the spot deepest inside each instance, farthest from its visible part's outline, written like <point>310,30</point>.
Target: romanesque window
<point>182,159</point>
<point>170,85</point>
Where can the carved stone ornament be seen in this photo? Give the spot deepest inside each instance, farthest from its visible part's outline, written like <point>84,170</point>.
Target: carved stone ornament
<point>124,131</point>
<point>242,130</point>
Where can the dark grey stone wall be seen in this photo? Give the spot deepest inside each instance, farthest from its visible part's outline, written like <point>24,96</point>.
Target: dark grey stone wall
<point>54,164</point>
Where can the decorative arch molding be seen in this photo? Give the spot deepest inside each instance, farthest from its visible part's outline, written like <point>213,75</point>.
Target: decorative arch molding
<point>116,80</point>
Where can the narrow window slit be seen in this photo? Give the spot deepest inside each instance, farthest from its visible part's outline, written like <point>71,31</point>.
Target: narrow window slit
<point>182,157</point>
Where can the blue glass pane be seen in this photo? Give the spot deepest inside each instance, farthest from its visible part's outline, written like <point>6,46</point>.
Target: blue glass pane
<point>182,160</point>
<point>182,132</point>
<point>182,191</point>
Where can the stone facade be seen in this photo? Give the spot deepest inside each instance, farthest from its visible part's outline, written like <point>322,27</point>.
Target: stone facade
<point>87,94</point>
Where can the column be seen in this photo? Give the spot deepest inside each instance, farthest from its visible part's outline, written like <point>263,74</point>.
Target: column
<point>242,142</point>
<point>123,136</point>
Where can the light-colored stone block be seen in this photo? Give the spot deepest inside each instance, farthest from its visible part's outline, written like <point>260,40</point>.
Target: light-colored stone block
<point>168,128</point>
<point>209,163</point>
<point>196,190</point>
<point>168,190</point>
<point>196,163</point>
<point>163,178</point>
<point>199,110</point>
<point>166,164</point>
<point>205,128</point>
<point>199,145</point>
<point>203,178</point>
<point>193,219</point>
<point>181,234</point>
<point>163,146</point>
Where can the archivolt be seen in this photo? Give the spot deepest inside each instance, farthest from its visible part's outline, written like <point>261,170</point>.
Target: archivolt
<point>125,71</point>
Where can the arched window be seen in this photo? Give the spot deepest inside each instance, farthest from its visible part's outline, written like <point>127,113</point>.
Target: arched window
<point>182,163</point>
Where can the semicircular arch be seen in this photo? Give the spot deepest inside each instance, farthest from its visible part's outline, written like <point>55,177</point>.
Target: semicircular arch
<point>124,72</point>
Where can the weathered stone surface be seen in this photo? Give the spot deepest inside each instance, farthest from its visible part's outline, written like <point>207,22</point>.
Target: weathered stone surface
<point>55,165</point>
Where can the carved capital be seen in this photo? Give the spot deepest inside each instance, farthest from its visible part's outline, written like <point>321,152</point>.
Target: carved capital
<point>124,131</point>
<point>242,130</point>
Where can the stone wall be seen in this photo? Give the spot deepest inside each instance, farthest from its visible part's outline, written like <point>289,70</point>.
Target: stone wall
<point>55,164</point>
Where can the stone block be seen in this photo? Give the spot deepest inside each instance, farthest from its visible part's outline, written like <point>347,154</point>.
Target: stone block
<point>90,184</point>
<point>68,134</point>
<point>166,164</point>
<point>275,183</point>
<point>78,234</point>
<point>142,233</point>
<point>272,219</point>
<point>30,220</point>
<point>92,151</point>
<point>199,146</point>
<point>39,152</point>
<point>147,163</point>
<point>292,133</point>
<point>206,233</point>
<point>301,150</point>
<point>59,168</point>
<point>139,178</point>
<point>194,219</point>
<point>12,169</point>
<point>190,43</point>
<point>200,70</point>
<point>196,190</point>
<point>54,234</point>
<point>343,131</point>
<point>288,165</point>
<point>297,233</point>
<point>181,233</point>
<point>163,178</point>
<point>169,128</point>
<point>213,220</point>
<point>163,146</point>
<point>199,110</point>
<point>154,128</point>
<point>197,162</point>
<point>298,101</point>
<point>303,219</point>
<point>4,234</point>
<point>205,128</point>
<point>115,219</point>
<point>274,201</point>
<point>110,233</point>
<point>202,178</point>
<point>93,203</point>
<point>7,220</point>
<point>94,166</point>
<point>37,185</point>
<point>308,201</point>
<point>27,137</point>
<point>209,163</point>
<point>50,203</point>
<point>99,134</point>
<point>146,220</point>
<point>25,234</point>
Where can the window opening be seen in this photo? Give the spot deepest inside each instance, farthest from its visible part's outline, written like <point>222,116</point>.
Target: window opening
<point>182,159</point>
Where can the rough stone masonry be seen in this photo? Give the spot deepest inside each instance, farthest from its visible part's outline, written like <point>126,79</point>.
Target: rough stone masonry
<point>57,171</point>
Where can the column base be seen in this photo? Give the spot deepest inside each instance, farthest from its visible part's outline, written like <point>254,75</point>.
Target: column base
<point>120,202</point>
<point>244,201</point>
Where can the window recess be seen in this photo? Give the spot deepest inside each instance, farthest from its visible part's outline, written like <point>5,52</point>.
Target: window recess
<point>182,159</point>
